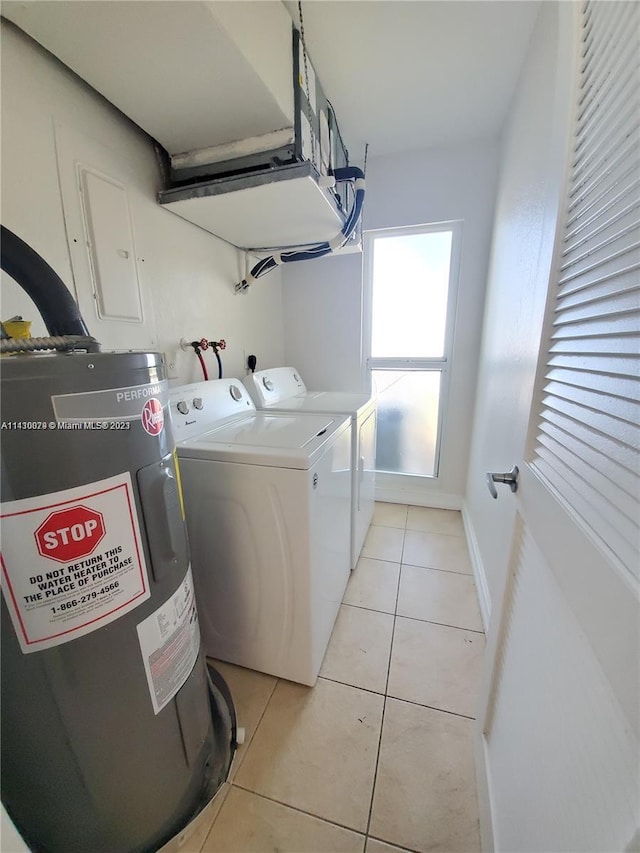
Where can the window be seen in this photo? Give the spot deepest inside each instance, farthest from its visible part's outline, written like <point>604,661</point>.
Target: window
<point>411,275</point>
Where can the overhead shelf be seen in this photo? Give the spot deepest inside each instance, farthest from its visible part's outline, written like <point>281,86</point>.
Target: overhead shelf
<point>282,207</point>
<point>227,91</point>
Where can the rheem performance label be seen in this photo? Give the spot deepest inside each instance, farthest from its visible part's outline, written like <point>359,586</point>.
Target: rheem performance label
<point>72,561</point>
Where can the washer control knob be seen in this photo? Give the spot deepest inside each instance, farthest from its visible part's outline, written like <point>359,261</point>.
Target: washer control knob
<point>268,384</point>
<point>182,407</point>
<point>235,392</point>
<point>197,403</point>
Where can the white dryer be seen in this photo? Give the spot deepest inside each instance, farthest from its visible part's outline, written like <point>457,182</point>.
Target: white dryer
<point>281,389</point>
<point>267,502</point>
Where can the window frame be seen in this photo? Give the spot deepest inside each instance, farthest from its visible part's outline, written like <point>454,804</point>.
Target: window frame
<point>443,363</point>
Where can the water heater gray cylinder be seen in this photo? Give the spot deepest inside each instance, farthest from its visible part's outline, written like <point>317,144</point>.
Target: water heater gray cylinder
<point>112,738</point>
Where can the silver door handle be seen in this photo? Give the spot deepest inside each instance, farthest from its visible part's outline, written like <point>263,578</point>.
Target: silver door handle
<point>510,478</point>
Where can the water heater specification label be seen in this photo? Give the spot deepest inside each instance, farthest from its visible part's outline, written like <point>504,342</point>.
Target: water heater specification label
<point>72,561</point>
<point>170,643</point>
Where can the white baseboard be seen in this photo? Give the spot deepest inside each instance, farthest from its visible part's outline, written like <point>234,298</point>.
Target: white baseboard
<point>483,787</point>
<point>478,568</point>
<point>480,746</point>
<point>417,497</point>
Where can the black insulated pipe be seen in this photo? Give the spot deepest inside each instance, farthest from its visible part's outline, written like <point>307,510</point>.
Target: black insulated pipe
<point>42,284</point>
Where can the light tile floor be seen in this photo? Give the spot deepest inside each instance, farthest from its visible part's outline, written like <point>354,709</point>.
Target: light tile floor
<point>377,757</point>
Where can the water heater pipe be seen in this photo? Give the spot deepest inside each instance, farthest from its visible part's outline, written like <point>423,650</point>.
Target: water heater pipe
<point>42,284</point>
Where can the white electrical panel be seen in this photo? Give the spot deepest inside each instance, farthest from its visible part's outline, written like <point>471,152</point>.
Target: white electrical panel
<point>107,221</point>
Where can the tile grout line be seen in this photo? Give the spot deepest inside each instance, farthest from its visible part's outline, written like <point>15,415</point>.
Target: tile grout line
<point>382,560</point>
<point>433,532</point>
<point>432,708</point>
<point>384,706</point>
<point>296,809</point>
<point>441,624</point>
<point>393,844</point>
<point>370,609</point>
<point>392,561</point>
<point>396,698</point>
<point>232,782</point>
<point>436,533</point>
<point>255,731</point>
<point>393,633</point>
<point>438,569</point>
<point>375,771</point>
<point>354,686</point>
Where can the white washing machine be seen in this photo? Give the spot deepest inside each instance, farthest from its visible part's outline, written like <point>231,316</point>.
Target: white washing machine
<point>267,499</point>
<point>282,390</point>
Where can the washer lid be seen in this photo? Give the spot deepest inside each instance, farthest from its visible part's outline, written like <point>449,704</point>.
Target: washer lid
<point>274,439</point>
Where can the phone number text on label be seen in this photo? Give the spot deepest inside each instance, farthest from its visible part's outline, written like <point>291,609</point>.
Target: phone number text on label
<point>83,599</point>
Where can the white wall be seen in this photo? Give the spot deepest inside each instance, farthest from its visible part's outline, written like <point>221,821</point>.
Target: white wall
<point>322,305</point>
<point>526,207</point>
<point>323,299</point>
<point>187,275</point>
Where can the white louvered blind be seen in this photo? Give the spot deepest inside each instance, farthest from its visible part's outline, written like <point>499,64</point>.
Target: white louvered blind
<point>589,433</point>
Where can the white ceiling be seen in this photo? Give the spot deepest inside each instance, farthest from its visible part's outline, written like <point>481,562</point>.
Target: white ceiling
<point>402,75</point>
<point>410,74</point>
<point>178,69</point>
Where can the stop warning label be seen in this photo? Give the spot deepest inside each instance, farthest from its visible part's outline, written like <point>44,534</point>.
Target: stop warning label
<point>72,561</point>
<point>70,534</point>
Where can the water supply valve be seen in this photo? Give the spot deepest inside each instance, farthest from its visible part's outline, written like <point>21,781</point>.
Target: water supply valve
<point>202,345</point>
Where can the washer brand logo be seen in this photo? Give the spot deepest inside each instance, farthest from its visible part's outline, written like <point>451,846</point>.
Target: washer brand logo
<point>152,416</point>
<point>70,534</point>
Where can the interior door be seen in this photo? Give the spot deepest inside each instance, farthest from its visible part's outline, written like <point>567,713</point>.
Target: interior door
<point>559,723</point>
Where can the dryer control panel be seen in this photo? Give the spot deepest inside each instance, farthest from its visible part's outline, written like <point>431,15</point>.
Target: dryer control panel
<point>268,387</point>
<point>205,405</point>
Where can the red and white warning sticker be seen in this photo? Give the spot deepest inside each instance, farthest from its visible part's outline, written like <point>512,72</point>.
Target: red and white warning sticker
<point>170,642</point>
<point>72,561</point>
